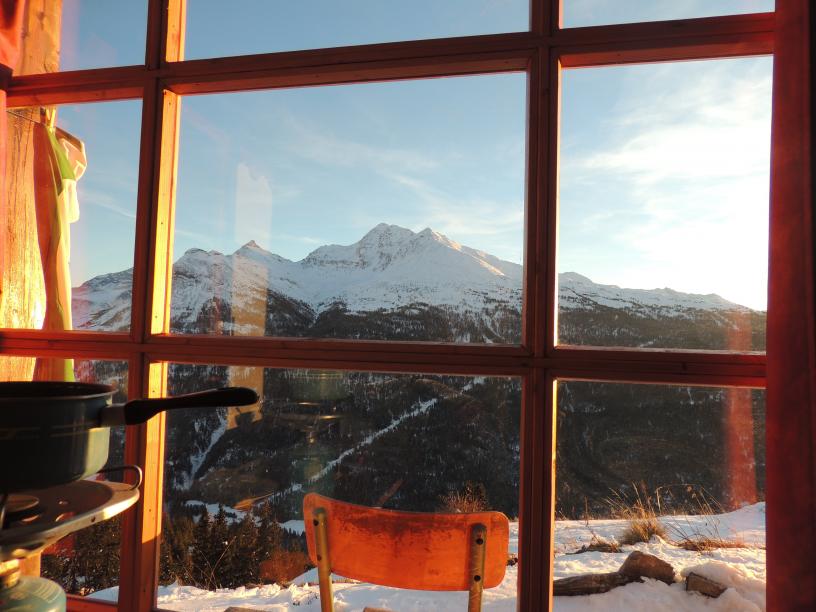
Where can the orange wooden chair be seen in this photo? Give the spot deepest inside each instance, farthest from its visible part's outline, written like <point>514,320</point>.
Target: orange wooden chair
<point>406,550</point>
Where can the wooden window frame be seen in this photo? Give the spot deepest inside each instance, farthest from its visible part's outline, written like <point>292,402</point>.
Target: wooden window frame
<point>542,52</point>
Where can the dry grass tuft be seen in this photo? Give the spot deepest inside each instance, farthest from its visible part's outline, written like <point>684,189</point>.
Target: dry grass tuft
<point>472,499</point>
<point>641,515</point>
<point>707,544</point>
<point>641,530</point>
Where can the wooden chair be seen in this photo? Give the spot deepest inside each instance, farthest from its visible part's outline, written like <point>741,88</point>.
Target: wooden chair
<point>406,550</point>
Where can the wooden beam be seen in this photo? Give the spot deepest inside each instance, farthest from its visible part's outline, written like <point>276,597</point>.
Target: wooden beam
<point>534,304</point>
<point>644,51</point>
<point>362,72</point>
<point>547,321</point>
<point>657,41</point>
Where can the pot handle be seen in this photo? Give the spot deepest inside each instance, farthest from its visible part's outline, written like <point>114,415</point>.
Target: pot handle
<point>140,410</point>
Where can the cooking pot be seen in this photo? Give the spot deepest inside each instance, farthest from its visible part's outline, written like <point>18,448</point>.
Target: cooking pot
<point>53,433</point>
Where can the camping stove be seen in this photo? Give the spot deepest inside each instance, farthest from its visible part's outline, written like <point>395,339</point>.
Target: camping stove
<point>33,520</point>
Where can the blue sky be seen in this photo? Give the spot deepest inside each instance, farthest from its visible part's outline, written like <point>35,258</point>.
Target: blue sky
<point>600,12</point>
<point>664,168</point>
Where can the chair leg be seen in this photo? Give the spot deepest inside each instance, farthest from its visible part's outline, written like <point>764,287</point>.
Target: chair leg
<point>478,545</point>
<point>323,561</point>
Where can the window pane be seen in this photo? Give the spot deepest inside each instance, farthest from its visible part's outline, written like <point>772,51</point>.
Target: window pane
<point>262,26</point>
<point>71,217</point>
<point>663,205</point>
<point>408,442</point>
<point>389,211</point>
<point>79,34</point>
<point>675,472</point>
<point>602,12</point>
<point>86,561</point>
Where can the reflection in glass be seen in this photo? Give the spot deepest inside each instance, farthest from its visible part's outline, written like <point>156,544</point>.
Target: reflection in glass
<point>408,442</point>
<point>389,211</point>
<point>601,12</point>
<point>663,205</point>
<point>676,472</point>
<point>71,212</point>
<point>79,34</point>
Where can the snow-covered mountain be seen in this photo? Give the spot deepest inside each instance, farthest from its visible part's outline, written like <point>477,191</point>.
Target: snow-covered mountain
<point>399,431</point>
<point>577,292</point>
<point>392,284</point>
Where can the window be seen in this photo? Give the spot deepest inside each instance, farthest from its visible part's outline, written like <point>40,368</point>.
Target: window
<point>464,146</point>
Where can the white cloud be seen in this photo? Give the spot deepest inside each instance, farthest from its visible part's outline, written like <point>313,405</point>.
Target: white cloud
<point>686,153</point>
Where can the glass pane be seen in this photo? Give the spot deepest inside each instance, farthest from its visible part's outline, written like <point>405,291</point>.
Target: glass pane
<point>602,12</point>
<point>71,217</point>
<point>408,442</point>
<point>389,211</point>
<point>86,561</point>
<point>262,26</point>
<point>80,34</point>
<point>674,472</point>
<point>663,205</point>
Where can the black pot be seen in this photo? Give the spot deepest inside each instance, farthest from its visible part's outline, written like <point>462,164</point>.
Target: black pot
<point>53,433</point>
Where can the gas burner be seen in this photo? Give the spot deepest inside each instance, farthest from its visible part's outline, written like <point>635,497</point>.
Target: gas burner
<point>20,507</point>
<point>58,511</point>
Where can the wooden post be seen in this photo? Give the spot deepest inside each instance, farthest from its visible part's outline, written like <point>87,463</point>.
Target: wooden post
<point>22,292</point>
<point>791,335</point>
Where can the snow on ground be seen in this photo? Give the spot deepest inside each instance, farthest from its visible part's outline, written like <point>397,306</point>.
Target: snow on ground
<point>741,569</point>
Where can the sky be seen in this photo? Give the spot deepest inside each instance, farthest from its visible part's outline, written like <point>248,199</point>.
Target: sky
<point>664,168</point>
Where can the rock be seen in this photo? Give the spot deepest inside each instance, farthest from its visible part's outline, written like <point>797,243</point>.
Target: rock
<point>639,564</point>
<point>589,584</point>
<point>701,584</point>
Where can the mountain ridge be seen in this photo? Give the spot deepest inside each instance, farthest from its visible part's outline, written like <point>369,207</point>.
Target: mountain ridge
<point>388,269</point>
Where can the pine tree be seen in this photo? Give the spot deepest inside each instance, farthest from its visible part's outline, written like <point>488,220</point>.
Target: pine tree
<point>177,541</point>
<point>240,567</point>
<point>221,551</point>
<point>202,550</point>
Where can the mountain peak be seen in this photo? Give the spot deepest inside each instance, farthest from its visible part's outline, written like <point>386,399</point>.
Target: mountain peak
<point>252,245</point>
<point>387,233</point>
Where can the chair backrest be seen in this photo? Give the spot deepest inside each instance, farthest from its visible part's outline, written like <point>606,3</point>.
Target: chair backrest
<point>409,550</point>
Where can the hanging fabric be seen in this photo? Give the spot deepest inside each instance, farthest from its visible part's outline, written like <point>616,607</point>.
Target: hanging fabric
<point>59,162</point>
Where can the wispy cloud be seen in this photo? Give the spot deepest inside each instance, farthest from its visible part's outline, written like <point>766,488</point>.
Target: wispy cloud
<point>316,144</point>
<point>492,225</point>
<point>675,176</point>
<point>712,128</point>
<point>457,214</point>
<point>91,197</point>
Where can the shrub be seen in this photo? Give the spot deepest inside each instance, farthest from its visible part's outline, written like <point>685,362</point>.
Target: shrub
<point>472,499</point>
